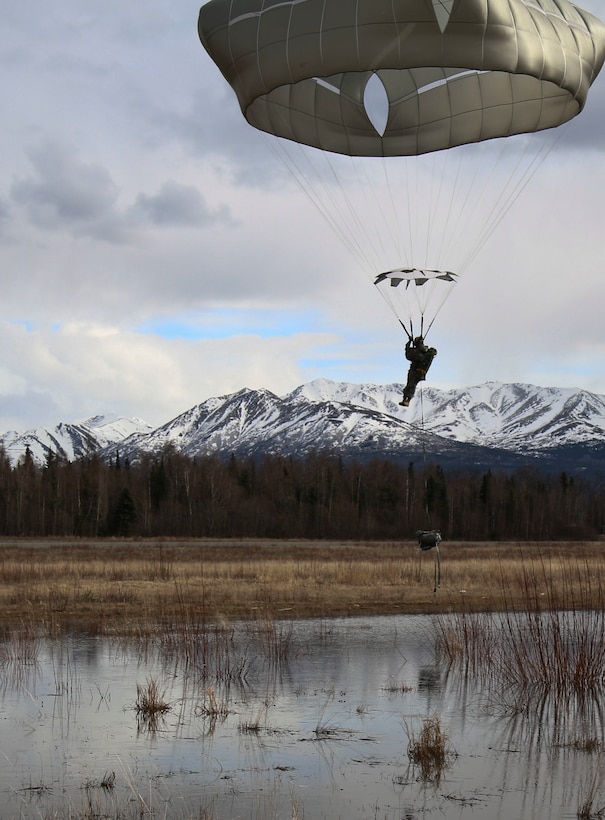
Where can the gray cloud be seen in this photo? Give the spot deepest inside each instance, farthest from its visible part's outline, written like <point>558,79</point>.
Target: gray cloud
<point>213,126</point>
<point>4,217</point>
<point>178,205</point>
<point>587,130</point>
<point>65,193</point>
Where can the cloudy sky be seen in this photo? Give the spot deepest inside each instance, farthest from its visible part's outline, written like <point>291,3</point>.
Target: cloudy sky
<point>155,252</point>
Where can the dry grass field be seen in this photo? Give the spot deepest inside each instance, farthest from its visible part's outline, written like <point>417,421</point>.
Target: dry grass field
<point>115,585</point>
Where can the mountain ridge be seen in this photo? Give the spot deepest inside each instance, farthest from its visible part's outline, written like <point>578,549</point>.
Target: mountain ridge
<point>491,424</point>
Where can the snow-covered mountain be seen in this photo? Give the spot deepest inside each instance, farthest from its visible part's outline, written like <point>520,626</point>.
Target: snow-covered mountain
<point>257,422</point>
<point>72,441</point>
<point>492,424</point>
<point>519,417</point>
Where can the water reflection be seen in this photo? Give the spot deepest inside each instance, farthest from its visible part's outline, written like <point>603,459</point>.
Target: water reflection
<point>281,720</point>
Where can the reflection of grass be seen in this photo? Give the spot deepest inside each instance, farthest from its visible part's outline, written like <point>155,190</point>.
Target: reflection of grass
<point>21,647</point>
<point>106,783</point>
<point>108,584</point>
<point>394,687</point>
<point>429,750</point>
<point>254,725</point>
<point>586,744</point>
<point>587,809</point>
<point>212,706</point>
<point>274,638</point>
<point>19,657</point>
<point>130,800</point>
<point>39,789</point>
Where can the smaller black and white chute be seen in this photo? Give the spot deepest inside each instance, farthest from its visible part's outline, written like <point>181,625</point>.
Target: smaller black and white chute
<point>415,295</point>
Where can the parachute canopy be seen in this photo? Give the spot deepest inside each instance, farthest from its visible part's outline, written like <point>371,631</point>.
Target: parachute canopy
<point>412,292</point>
<point>450,72</point>
<point>412,276</point>
<point>387,87</point>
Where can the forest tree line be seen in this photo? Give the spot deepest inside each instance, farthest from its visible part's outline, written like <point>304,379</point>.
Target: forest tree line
<point>316,497</point>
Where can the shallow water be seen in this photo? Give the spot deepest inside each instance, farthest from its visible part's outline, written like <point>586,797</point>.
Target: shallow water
<point>317,725</point>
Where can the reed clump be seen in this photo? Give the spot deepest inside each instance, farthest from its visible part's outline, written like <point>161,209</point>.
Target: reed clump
<point>150,705</point>
<point>150,698</point>
<point>429,750</point>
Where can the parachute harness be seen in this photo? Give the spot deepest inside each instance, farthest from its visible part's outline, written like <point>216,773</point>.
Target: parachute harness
<point>430,538</point>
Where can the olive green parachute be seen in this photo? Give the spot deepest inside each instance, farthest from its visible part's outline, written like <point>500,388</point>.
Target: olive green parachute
<point>453,72</point>
<point>402,97</point>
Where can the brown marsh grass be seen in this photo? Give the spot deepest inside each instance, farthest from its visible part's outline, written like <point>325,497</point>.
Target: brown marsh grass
<point>429,750</point>
<point>541,658</point>
<point>118,585</point>
<point>150,699</point>
<point>550,639</point>
<point>150,706</point>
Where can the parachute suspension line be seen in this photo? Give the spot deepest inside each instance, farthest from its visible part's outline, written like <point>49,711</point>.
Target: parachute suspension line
<point>431,322</point>
<point>516,183</point>
<point>408,190</point>
<point>357,229</point>
<point>431,214</point>
<point>312,184</point>
<point>463,205</point>
<point>401,182</point>
<point>426,495</point>
<point>453,213</point>
<point>402,322</point>
<point>349,227</point>
<point>464,201</point>
<point>451,187</point>
<point>386,229</point>
<point>396,231</point>
<point>445,163</point>
<point>436,309</point>
<point>301,179</point>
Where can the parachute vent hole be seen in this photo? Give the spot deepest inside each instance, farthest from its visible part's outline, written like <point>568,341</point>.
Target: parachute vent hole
<point>376,103</point>
<point>443,10</point>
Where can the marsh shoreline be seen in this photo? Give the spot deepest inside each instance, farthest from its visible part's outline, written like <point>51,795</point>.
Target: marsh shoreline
<point>117,584</point>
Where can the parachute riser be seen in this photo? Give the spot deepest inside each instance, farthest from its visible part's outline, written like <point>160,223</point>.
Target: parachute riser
<point>409,333</point>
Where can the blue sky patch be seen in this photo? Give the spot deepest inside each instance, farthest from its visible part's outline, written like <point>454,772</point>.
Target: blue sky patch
<point>221,323</point>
